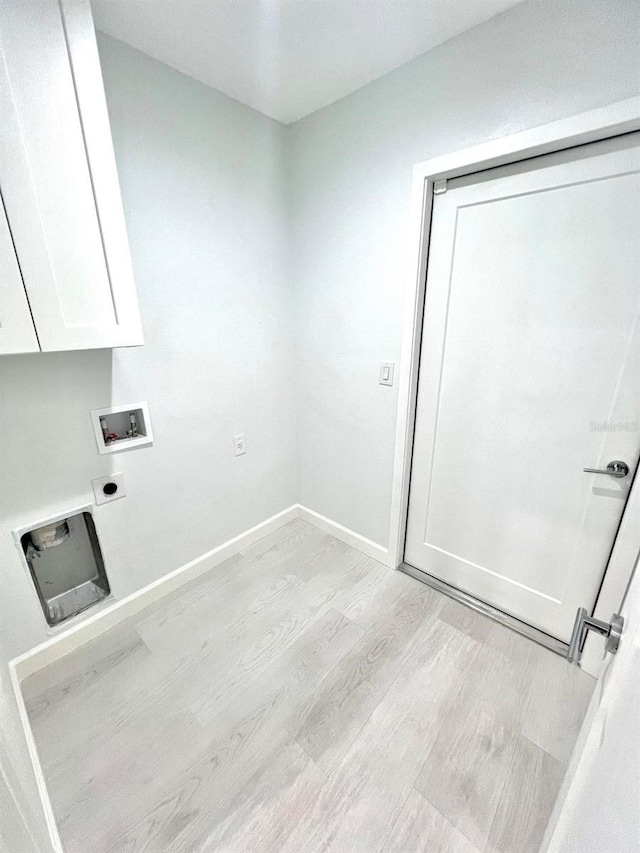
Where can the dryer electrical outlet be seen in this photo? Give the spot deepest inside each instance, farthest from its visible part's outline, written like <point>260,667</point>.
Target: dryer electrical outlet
<point>109,488</point>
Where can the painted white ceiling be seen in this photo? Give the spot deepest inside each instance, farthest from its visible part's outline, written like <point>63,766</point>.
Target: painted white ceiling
<point>288,58</point>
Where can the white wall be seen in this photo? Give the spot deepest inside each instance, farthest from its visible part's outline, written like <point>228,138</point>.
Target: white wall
<point>15,833</point>
<point>203,187</point>
<point>350,189</point>
<point>203,191</point>
<point>204,199</point>
<point>205,195</point>
<point>47,459</point>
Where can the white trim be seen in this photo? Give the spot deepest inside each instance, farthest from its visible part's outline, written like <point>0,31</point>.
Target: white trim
<point>16,825</point>
<point>591,126</point>
<point>345,534</point>
<point>421,202</point>
<point>107,618</point>
<point>47,808</point>
<point>92,626</point>
<point>626,549</point>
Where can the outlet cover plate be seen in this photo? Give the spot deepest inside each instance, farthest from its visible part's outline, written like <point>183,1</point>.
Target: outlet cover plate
<point>386,372</point>
<point>240,444</point>
<point>102,497</point>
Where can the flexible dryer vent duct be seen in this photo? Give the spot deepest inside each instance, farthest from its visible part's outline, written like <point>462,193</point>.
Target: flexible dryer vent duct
<point>50,535</point>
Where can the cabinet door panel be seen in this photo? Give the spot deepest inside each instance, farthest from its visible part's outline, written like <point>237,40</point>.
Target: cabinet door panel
<point>16,326</point>
<point>59,179</point>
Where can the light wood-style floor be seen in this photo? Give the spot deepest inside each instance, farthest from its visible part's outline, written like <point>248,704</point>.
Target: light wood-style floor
<point>301,697</point>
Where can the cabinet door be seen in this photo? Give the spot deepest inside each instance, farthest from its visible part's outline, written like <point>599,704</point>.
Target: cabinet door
<point>16,326</point>
<point>59,180</point>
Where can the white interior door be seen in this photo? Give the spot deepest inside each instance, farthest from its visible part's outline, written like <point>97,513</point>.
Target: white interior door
<point>529,373</point>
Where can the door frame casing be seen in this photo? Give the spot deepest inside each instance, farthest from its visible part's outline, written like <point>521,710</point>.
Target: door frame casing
<point>591,126</point>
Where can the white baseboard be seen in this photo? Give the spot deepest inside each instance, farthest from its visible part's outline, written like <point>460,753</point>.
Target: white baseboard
<point>107,618</point>
<point>350,537</point>
<point>91,627</point>
<point>47,809</point>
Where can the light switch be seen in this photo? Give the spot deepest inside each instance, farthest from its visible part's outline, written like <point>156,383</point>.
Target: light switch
<point>386,372</point>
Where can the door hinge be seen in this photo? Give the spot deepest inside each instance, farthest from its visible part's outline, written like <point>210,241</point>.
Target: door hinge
<point>440,186</point>
<point>585,623</point>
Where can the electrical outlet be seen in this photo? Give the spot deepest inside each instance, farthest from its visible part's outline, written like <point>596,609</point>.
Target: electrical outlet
<point>109,488</point>
<point>239,444</point>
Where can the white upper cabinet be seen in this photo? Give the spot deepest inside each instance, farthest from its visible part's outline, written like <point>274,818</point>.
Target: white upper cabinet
<point>17,333</point>
<point>59,182</point>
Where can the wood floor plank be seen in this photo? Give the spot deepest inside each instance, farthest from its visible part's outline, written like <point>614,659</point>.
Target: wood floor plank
<point>233,619</point>
<point>558,704</point>
<point>290,700</point>
<point>469,621</point>
<point>190,806</point>
<point>204,609</point>
<point>165,678</point>
<point>529,793</point>
<point>502,681</point>
<point>175,804</point>
<point>83,717</point>
<point>357,808</point>
<point>464,772</point>
<point>294,674</point>
<point>256,641</point>
<point>281,792</point>
<point>392,588</point>
<point>74,673</point>
<point>275,546</point>
<point>214,617</point>
<point>195,596</point>
<point>352,690</point>
<point>254,637</point>
<point>366,592</point>
<point>420,828</point>
<point>117,780</point>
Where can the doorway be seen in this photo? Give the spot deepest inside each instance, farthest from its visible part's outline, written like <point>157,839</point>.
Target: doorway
<point>528,374</point>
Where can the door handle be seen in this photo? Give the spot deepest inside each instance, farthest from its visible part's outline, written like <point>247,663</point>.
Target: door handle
<point>612,631</point>
<point>617,468</point>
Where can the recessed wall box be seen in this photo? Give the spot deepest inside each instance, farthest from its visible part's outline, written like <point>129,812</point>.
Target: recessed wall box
<point>122,427</point>
<point>66,566</point>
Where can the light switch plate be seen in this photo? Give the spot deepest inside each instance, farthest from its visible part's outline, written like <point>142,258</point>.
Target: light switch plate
<point>386,372</point>
<point>239,444</point>
<point>104,491</point>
